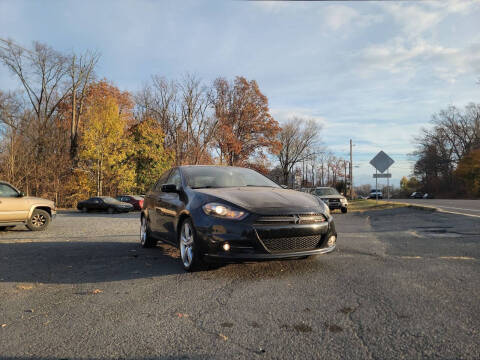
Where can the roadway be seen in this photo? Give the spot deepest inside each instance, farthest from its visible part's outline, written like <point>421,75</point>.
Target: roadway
<point>455,206</point>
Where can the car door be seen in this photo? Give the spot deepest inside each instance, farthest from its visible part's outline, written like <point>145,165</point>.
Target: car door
<point>168,204</point>
<point>151,200</point>
<point>95,204</point>
<point>13,206</point>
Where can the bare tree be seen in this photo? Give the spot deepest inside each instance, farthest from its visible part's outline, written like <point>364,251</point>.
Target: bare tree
<point>42,72</point>
<point>200,125</point>
<point>299,138</point>
<point>183,109</point>
<point>81,73</point>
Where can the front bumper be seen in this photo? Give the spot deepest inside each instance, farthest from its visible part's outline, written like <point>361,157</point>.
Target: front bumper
<point>250,241</point>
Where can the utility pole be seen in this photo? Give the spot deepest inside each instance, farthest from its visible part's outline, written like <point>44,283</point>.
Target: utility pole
<point>351,168</point>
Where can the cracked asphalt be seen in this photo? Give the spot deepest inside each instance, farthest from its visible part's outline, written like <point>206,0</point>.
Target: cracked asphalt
<point>403,284</point>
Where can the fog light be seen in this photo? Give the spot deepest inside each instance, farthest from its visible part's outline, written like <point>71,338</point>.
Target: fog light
<point>331,240</point>
<point>226,246</point>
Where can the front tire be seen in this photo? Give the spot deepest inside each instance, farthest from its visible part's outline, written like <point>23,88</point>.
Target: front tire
<point>39,220</point>
<point>110,210</point>
<point>146,238</point>
<point>190,253</point>
<point>344,210</point>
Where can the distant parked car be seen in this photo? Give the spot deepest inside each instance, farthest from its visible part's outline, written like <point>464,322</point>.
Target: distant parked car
<point>417,195</point>
<point>373,194</point>
<point>331,197</point>
<point>428,196</point>
<point>17,209</point>
<point>104,203</point>
<point>135,200</point>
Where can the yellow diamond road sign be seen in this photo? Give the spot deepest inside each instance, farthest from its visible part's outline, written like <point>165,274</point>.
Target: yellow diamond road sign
<point>381,161</point>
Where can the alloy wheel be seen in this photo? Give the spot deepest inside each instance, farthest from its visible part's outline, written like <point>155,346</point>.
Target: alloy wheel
<point>143,231</point>
<point>39,220</point>
<point>186,245</point>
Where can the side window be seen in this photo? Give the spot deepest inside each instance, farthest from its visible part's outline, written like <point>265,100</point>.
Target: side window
<point>7,191</point>
<point>161,181</point>
<point>175,178</point>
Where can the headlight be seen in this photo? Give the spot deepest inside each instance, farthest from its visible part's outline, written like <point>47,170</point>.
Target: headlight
<point>223,211</point>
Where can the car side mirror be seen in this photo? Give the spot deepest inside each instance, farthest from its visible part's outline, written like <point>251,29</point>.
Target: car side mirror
<point>169,188</point>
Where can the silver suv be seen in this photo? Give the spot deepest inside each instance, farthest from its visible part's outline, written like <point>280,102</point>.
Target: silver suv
<point>331,197</point>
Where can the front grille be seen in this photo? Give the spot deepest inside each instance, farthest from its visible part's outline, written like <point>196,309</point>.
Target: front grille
<point>292,243</point>
<point>291,219</point>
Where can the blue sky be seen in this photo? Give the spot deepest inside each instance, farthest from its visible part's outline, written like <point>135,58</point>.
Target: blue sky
<point>373,72</point>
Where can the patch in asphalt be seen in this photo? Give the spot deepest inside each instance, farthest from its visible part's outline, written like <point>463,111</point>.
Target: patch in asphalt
<point>334,328</point>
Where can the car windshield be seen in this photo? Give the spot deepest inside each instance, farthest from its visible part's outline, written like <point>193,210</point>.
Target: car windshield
<point>110,200</point>
<point>325,192</point>
<point>220,177</point>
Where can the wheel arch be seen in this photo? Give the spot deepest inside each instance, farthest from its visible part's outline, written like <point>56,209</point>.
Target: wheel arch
<point>181,218</point>
<point>48,209</point>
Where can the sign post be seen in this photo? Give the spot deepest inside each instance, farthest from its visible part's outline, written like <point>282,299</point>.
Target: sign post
<point>381,162</point>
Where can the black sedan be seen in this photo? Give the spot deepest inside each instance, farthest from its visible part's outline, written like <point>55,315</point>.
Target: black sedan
<point>104,203</point>
<point>232,214</point>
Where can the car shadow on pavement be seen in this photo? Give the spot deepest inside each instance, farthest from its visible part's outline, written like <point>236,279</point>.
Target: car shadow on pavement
<point>182,356</point>
<point>83,262</point>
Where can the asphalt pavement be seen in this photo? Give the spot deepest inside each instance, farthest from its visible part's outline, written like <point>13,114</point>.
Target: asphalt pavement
<point>404,283</point>
<point>454,206</point>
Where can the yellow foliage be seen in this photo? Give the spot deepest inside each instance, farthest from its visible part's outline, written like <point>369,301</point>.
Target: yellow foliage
<point>468,170</point>
<point>105,146</point>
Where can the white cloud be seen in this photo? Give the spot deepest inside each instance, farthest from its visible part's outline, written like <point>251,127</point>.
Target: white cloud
<point>411,57</point>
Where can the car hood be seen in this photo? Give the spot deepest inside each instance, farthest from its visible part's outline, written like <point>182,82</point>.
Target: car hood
<point>263,200</point>
<point>37,200</point>
<point>330,196</point>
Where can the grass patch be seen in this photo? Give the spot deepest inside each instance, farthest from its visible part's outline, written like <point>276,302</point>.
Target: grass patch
<point>367,205</point>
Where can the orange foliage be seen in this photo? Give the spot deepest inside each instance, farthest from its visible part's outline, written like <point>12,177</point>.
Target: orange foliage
<point>245,124</point>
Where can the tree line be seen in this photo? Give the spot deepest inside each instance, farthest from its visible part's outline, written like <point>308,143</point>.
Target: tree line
<point>66,134</point>
<point>448,154</point>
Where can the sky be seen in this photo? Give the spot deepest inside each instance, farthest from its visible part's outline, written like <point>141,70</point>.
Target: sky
<point>369,71</point>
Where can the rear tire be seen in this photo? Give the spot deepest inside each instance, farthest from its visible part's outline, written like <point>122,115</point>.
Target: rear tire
<point>84,209</point>
<point>146,238</point>
<point>39,220</point>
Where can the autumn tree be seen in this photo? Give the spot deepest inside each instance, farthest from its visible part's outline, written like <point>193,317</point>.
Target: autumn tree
<point>468,171</point>
<point>454,134</point>
<point>245,126</point>
<point>105,147</point>
<point>299,140</point>
<point>149,154</point>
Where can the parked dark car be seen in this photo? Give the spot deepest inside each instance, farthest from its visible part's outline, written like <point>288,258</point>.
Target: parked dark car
<point>232,214</point>
<point>417,195</point>
<point>135,200</point>
<point>104,203</point>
